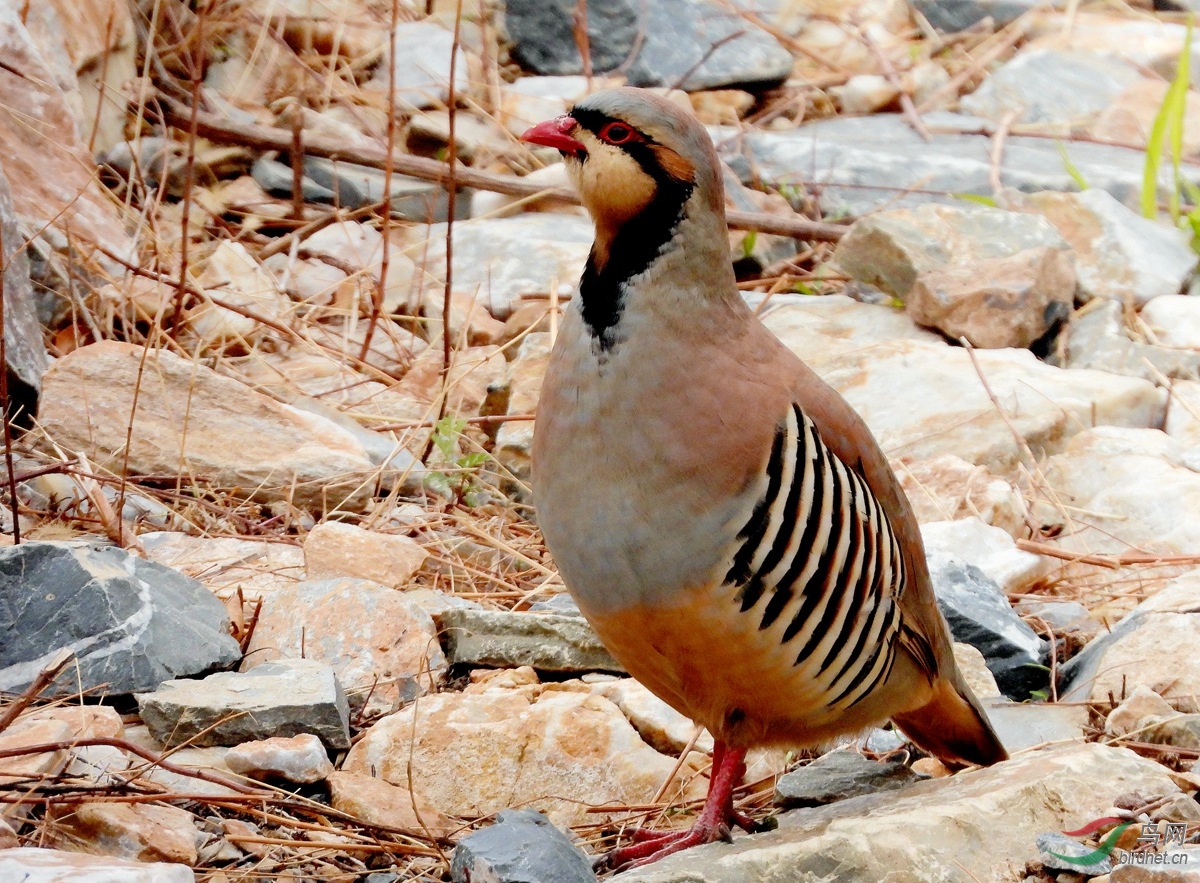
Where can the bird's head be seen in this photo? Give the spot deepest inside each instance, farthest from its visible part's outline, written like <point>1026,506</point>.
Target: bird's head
<point>630,152</point>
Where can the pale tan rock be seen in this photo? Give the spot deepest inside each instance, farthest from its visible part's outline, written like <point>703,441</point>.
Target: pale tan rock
<point>996,302</point>
<point>8,837</point>
<point>23,732</point>
<point>54,185</point>
<point>230,275</point>
<point>528,318</point>
<point>865,93</point>
<point>338,27</point>
<point>55,866</point>
<point>335,549</point>
<point>661,726</point>
<point>472,372</point>
<point>975,671</point>
<point>98,763</point>
<point>502,678</point>
<point>720,107</point>
<point>1163,655</point>
<point>514,439</point>
<point>378,642</point>
<point>947,487</point>
<point>932,767</point>
<point>470,322</point>
<point>382,803</point>
<point>559,752</point>
<point>990,549</point>
<point>193,422</point>
<point>1139,705</point>
<point>227,565</point>
<point>142,831</point>
<point>301,759</point>
<point>1129,119</point>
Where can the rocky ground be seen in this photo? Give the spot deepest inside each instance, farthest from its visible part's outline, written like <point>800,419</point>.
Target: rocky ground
<point>273,600</point>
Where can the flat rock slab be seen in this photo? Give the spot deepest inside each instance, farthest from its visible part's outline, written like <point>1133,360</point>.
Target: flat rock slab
<point>924,398</point>
<point>861,164</point>
<point>192,421</point>
<point>131,624</point>
<point>976,826</point>
<point>521,846</point>
<point>839,775</point>
<point>282,698</point>
<point>30,865</point>
<point>545,641</point>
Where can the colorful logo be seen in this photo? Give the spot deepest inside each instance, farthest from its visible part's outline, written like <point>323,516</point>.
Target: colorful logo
<point>1107,845</point>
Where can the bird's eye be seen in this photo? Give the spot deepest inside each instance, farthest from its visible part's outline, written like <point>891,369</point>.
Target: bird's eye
<point>618,133</point>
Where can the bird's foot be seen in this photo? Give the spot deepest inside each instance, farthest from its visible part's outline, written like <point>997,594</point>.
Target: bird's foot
<point>649,846</point>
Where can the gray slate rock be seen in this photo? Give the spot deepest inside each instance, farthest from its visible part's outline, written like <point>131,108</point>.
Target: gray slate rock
<point>675,49</point>
<point>979,614</point>
<point>560,603</point>
<point>837,776</point>
<point>1051,86</point>
<point>283,698</point>
<point>411,198</point>
<point>861,164</point>
<point>24,350</point>
<point>1096,338</point>
<point>521,847</point>
<point>131,624</point>
<point>546,641</point>
<point>958,15</point>
<point>1022,725</point>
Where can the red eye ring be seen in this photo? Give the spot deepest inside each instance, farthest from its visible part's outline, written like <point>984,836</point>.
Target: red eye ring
<point>619,133</point>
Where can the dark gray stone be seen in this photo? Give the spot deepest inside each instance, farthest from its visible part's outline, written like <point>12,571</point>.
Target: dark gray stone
<point>958,15</point>
<point>546,641</point>
<point>284,698</point>
<point>276,178</point>
<point>979,614</point>
<point>837,776</point>
<point>860,164</point>
<point>131,624</point>
<point>689,44</point>
<point>521,847</point>
<point>543,35</point>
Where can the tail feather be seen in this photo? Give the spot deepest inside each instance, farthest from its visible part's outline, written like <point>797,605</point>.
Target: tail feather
<point>954,727</point>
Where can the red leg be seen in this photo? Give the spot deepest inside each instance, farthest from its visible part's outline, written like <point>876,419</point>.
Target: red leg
<point>713,823</point>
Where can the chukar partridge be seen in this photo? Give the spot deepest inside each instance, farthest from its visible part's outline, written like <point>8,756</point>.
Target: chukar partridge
<point>724,519</point>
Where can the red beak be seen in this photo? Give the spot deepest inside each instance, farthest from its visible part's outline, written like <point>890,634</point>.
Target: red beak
<point>555,133</point>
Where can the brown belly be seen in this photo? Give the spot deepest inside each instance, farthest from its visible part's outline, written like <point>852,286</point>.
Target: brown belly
<point>712,663</point>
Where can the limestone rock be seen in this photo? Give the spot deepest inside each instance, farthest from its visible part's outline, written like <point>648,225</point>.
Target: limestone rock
<point>499,260</point>
<point>280,453</point>
<point>281,698</point>
<point>34,865</point>
<point>997,302</point>
<point>892,249</point>
<point>1155,646</point>
<point>131,624</point>
<point>227,565</point>
<point>1140,704</point>
<point>230,275</point>
<point>378,641</point>
<point>660,725</point>
<point>520,845</point>
<point>473,754</point>
<point>1098,338</point>
<point>932,831</point>
<point>378,802</point>
<point>334,549</point>
<point>922,398</point>
<point>301,759</point>
<point>514,440</point>
<point>988,548</point>
<point>948,488</point>
<point>141,831</point>
<point>423,79</point>
<point>1173,320</point>
<point>1118,253</point>
<point>545,641</point>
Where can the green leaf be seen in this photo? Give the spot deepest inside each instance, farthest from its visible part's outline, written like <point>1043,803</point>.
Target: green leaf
<point>748,243</point>
<point>975,197</point>
<point>1167,130</point>
<point>471,460</point>
<point>1072,169</point>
